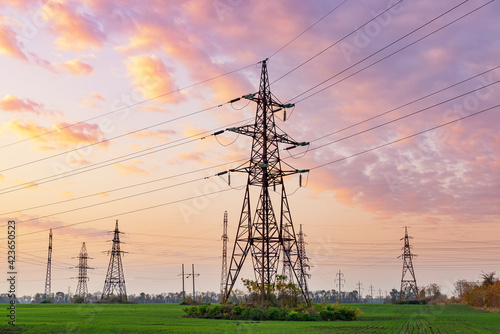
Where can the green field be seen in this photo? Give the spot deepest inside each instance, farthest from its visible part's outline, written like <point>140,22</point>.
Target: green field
<point>167,318</point>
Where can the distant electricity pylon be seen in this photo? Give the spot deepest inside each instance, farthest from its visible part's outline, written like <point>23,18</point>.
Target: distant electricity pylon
<point>263,235</point>
<point>409,288</point>
<point>359,291</point>
<point>341,281</point>
<point>48,276</point>
<point>114,285</point>
<point>225,239</point>
<point>301,245</point>
<point>81,288</point>
<point>287,269</point>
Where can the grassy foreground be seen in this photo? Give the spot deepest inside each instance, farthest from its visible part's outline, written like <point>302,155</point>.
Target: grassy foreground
<point>167,318</point>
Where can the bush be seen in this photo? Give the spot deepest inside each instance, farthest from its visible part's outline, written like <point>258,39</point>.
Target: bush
<point>293,316</point>
<point>327,315</point>
<point>275,313</point>
<point>256,314</point>
<point>236,311</point>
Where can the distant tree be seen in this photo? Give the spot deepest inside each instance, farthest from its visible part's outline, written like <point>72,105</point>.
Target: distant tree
<point>460,286</point>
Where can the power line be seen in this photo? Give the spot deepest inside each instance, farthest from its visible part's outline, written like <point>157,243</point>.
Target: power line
<point>380,60</point>
<point>402,117</point>
<point>108,162</point>
<point>113,138</point>
<point>405,105</point>
<point>335,43</point>
<point>311,26</point>
<point>129,106</point>
<point>407,137</point>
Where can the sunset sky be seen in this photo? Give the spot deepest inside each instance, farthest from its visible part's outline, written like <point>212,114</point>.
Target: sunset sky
<point>107,110</point>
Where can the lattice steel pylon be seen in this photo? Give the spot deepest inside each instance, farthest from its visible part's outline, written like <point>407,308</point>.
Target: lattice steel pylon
<point>264,236</point>
<point>409,288</point>
<point>81,288</point>
<point>114,285</point>
<point>225,239</point>
<point>48,275</point>
<point>301,246</point>
<point>287,247</point>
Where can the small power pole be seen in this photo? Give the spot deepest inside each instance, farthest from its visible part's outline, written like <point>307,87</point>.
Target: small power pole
<point>81,288</point>
<point>380,295</point>
<point>183,276</point>
<point>193,275</point>
<point>48,276</point>
<point>225,239</point>
<point>114,285</point>
<point>340,280</point>
<point>409,288</point>
<point>359,291</point>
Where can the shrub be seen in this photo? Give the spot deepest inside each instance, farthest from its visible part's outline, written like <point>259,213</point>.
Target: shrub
<point>256,314</point>
<point>236,311</point>
<point>327,315</point>
<point>293,316</point>
<point>275,313</point>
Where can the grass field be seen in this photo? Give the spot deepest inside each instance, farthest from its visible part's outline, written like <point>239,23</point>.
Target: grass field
<point>167,318</point>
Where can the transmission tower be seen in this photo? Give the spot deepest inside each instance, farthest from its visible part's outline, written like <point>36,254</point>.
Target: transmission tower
<point>81,288</point>
<point>287,247</point>
<point>341,282</point>
<point>225,239</point>
<point>301,245</point>
<point>114,285</point>
<point>48,276</point>
<point>409,288</point>
<point>264,236</point>
<point>359,291</point>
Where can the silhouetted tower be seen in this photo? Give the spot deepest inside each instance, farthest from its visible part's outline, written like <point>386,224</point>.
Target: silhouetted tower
<point>48,276</point>
<point>287,247</point>
<point>114,285</point>
<point>409,289</point>
<point>81,288</point>
<point>264,236</point>
<point>359,291</point>
<point>301,245</point>
<point>341,281</point>
<point>225,239</point>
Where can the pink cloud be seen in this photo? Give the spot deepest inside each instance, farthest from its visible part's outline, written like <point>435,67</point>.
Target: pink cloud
<point>9,45</point>
<point>75,67</point>
<point>63,137</point>
<point>131,169</point>
<point>76,29</point>
<point>93,100</point>
<point>13,104</point>
<point>150,74</point>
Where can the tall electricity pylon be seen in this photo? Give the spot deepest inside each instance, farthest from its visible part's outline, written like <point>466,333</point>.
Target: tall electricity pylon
<point>81,288</point>
<point>409,288</point>
<point>264,236</point>
<point>114,285</point>
<point>48,276</point>
<point>225,239</point>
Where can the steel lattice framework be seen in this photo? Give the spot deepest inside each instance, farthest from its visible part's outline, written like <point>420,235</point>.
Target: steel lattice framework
<point>264,236</point>
<point>409,288</point>
<point>114,285</point>
<point>48,275</point>
<point>225,239</point>
<point>81,288</point>
<point>301,245</point>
